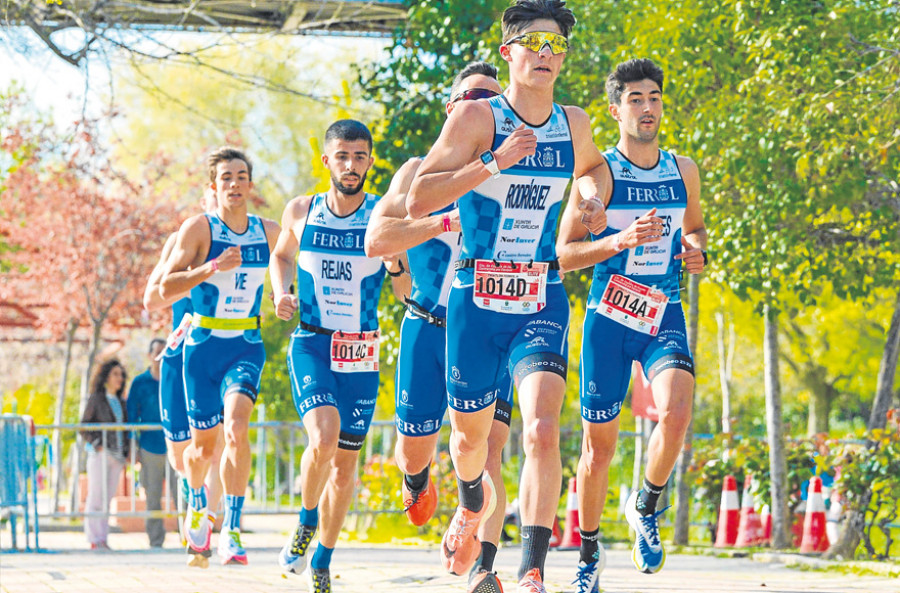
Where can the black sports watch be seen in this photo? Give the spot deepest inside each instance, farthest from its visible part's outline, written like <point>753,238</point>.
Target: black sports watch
<point>705,257</point>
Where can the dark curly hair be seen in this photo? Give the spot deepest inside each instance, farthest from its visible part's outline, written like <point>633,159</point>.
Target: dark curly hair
<point>101,375</point>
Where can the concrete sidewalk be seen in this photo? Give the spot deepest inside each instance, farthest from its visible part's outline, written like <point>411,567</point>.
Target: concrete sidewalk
<point>69,566</point>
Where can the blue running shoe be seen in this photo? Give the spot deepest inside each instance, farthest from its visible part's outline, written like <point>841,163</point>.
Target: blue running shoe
<point>648,554</point>
<point>587,578</point>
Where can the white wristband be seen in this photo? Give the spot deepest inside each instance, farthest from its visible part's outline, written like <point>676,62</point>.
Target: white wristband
<point>617,242</point>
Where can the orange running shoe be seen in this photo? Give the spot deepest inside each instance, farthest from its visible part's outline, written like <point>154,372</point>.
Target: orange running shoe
<point>532,582</point>
<point>460,546</point>
<point>420,506</point>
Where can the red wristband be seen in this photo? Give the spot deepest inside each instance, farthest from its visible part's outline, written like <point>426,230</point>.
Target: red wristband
<point>215,266</point>
<point>446,221</point>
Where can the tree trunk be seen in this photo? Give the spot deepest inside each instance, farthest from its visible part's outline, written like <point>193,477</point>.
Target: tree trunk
<point>682,487</point>
<point>93,348</point>
<point>71,328</point>
<point>884,392</point>
<point>822,396</point>
<point>775,430</point>
<point>725,353</point>
<point>855,520</point>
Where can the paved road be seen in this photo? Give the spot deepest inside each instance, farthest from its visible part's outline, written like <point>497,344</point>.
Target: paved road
<point>381,569</point>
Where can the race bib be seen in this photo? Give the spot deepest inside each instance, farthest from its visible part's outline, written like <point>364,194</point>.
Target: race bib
<point>354,352</point>
<point>178,334</point>
<point>510,287</point>
<point>632,304</point>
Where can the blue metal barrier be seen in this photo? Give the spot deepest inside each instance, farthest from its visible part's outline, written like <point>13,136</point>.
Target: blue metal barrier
<point>17,475</point>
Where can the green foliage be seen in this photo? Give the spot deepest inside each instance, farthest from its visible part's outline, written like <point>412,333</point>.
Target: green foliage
<point>869,482</point>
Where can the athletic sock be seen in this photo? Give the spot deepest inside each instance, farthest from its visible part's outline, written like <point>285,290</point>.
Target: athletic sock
<point>198,498</point>
<point>471,494</point>
<point>417,482</point>
<point>309,517</point>
<point>648,497</point>
<point>590,545</point>
<point>233,506</point>
<point>321,557</point>
<point>535,543</point>
<point>488,552</point>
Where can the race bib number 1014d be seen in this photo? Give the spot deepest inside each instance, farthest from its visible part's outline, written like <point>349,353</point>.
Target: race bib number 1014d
<point>354,352</point>
<point>510,287</point>
<point>632,304</point>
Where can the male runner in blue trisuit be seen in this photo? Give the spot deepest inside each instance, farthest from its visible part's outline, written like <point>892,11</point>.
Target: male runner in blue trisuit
<point>221,259</point>
<point>333,358</point>
<point>508,161</point>
<point>652,200</point>
<point>432,245</point>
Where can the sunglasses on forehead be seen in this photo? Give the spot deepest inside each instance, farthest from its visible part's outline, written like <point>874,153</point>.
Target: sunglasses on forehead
<point>536,40</point>
<point>473,94</point>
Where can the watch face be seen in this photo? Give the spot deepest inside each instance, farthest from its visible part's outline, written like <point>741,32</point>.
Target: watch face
<point>486,157</point>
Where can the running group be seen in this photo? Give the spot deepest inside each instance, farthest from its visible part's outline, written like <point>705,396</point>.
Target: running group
<point>474,242</point>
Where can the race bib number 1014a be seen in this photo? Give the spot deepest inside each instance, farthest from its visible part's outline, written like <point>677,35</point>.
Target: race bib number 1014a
<point>633,304</point>
<point>510,287</point>
<point>354,352</point>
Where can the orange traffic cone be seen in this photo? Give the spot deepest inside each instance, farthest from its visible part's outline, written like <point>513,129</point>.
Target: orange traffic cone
<point>729,514</point>
<point>556,534</point>
<point>572,535</point>
<point>766,518</point>
<point>814,536</point>
<point>750,530</point>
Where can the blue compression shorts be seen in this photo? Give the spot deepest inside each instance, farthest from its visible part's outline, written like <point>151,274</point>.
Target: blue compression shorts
<point>218,367</point>
<point>172,403</point>
<point>421,390</point>
<point>483,346</point>
<point>314,384</point>
<point>607,350</point>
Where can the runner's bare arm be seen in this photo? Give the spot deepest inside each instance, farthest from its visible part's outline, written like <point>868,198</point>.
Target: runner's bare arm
<point>572,250</point>
<point>184,268</point>
<point>452,166</point>
<point>693,229</point>
<point>590,166</point>
<point>153,300</point>
<point>390,229</point>
<point>400,285</point>
<point>281,264</point>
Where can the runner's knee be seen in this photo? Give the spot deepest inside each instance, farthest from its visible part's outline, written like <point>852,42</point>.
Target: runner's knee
<point>540,436</point>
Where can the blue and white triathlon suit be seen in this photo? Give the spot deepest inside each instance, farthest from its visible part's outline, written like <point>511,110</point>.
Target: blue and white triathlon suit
<point>617,325</point>
<point>220,362</point>
<point>421,390</point>
<point>507,309</point>
<point>172,403</point>
<point>333,357</point>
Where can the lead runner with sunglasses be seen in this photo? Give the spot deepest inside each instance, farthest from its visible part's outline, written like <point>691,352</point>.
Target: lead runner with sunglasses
<point>432,246</point>
<point>508,161</point>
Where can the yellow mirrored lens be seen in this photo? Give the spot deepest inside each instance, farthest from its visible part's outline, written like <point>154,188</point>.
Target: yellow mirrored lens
<point>535,41</point>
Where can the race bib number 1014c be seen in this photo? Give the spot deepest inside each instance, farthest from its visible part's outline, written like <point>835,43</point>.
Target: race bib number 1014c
<point>354,352</point>
<point>510,287</point>
<point>633,304</point>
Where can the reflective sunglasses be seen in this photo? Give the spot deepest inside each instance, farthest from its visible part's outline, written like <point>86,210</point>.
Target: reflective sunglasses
<point>536,40</point>
<point>473,94</point>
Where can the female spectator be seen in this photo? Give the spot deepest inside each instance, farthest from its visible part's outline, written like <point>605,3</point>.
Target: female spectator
<point>106,403</point>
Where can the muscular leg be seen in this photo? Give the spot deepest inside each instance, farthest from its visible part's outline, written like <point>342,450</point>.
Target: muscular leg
<point>323,426</point>
<point>540,400</point>
<point>198,454</point>
<point>673,392</point>
<point>175,451</point>
<point>338,495</point>
<point>469,441</point>
<point>235,462</point>
<point>490,528</point>
<point>414,454</point>
<point>598,446</point>
<point>214,475</point>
